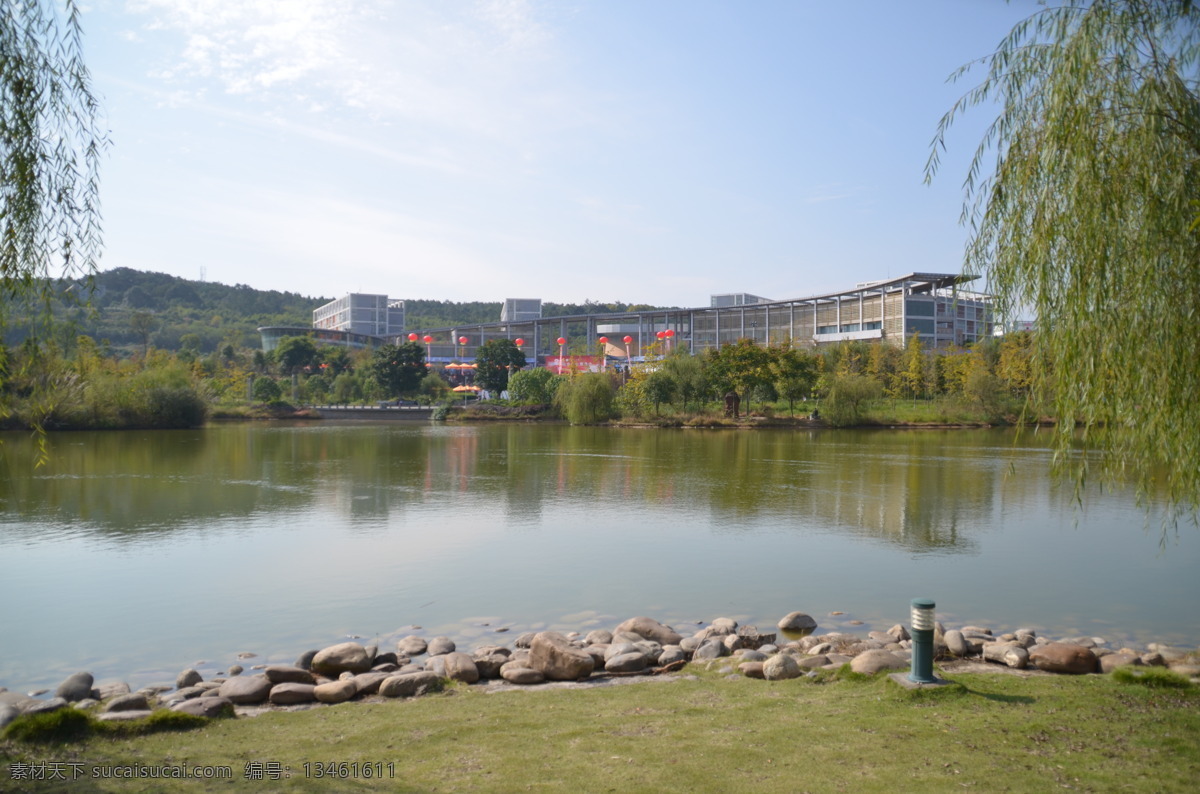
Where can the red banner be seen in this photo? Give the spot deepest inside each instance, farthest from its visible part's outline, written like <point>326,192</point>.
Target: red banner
<point>566,364</point>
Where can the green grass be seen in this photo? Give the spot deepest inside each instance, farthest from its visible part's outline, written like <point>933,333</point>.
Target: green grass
<point>835,733</point>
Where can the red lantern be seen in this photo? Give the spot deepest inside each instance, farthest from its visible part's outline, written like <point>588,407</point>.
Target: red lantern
<point>669,333</point>
<point>628,339</point>
<point>412,337</point>
<point>561,341</point>
<point>462,340</point>
<point>518,341</point>
<point>661,334</point>
<point>604,340</point>
<point>428,339</point>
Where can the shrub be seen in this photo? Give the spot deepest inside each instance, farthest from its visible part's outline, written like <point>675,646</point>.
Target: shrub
<point>848,396</point>
<point>267,390</point>
<point>586,399</point>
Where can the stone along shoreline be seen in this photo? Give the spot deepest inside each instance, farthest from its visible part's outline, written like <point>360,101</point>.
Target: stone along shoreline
<point>638,649</point>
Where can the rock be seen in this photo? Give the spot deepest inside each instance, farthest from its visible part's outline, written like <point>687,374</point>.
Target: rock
<point>76,687</point>
<point>781,667</point>
<point>187,678</point>
<point>524,640</point>
<point>1153,659</point>
<point>440,645</point>
<point>236,669</point>
<point>812,662</point>
<point>618,648</point>
<point>368,683</point>
<point>956,643</point>
<point>1112,661</point>
<point>820,648</point>
<point>1009,653</point>
<point>796,621</point>
<point>723,626</point>
<point>899,633</point>
<point>286,674</point>
<point>632,662</point>
<point>187,693</point>
<point>672,654</point>
<point>1185,668</point>
<point>205,707</point>
<point>132,702</point>
<point>46,706</point>
<point>712,648</point>
<point>343,657</point>
<point>873,661</point>
<point>516,674</point>
<point>690,644</point>
<point>436,665</point>
<point>750,655</point>
<point>489,666</point>
<point>387,657</point>
<point>410,684</point>
<point>598,637</point>
<point>752,669</point>
<point>650,629</point>
<point>650,648</point>
<point>1059,657</point>
<point>290,693</point>
<point>336,691</point>
<point>978,630</point>
<point>246,690</point>
<point>304,660</point>
<point>751,638</point>
<point>124,716</point>
<point>552,654</point>
<point>8,713</point>
<point>461,667</point>
<point>732,642</point>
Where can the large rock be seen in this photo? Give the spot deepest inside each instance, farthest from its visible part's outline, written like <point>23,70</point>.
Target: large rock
<point>796,621</point>
<point>781,667</point>
<point>712,648</point>
<point>631,662</point>
<point>751,669</point>
<point>246,689</point>
<point>957,643</point>
<point>873,661</point>
<point>1112,661</point>
<point>1012,654</point>
<point>8,713</point>
<point>1059,657</point>
<point>289,693</point>
<point>440,645</point>
<point>287,674</point>
<point>187,678</point>
<point>336,691</point>
<point>598,637</point>
<point>489,665</point>
<point>461,667</point>
<point>516,673</point>
<point>204,707</point>
<point>410,684</point>
<point>76,687</point>
<point>554,657</point>
<point>650,629</point>
<point>368,683</point>
<point>343,657</point>
<point>132,702</point>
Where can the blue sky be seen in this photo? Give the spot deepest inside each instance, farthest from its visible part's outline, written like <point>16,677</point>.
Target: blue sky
<point>652,152</point>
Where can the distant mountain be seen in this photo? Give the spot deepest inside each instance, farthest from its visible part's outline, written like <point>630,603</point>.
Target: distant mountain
<point>207,316</point>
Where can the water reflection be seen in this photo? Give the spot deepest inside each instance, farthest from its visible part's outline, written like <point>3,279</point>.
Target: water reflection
<point>919,490</point>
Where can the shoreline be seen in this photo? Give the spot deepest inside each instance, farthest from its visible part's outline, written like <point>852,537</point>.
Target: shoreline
<point>637,649</point>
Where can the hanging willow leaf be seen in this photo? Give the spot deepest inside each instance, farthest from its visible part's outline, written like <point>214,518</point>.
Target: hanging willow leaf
<point>1088,218</point>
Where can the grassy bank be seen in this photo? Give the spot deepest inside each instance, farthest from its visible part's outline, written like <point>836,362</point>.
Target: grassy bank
<point>988,732</point>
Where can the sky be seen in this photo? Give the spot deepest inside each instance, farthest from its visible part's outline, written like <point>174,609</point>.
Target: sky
<point>642,151</point>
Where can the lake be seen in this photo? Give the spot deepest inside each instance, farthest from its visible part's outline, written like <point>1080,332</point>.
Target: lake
<point>135,555</point>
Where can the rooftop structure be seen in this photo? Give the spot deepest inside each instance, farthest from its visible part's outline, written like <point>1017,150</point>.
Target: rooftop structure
<point>736,299</point>
<point>521,309</point>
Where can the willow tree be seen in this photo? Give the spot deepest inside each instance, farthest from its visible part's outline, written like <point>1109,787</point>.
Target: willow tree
<point>50,149</point>
<point>1083,205</point>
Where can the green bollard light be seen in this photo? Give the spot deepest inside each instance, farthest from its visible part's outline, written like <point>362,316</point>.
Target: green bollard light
<point>922,642</point>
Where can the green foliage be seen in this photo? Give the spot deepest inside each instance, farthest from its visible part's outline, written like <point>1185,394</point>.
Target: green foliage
<point>1151,677</point>
<point>687,373</point>
<point>794,374</point>
<point>659,387</point>
<point>739,367</point>
<point>73,725</point>
<point>586,399</point>
<point>347,388</point>
<point>267,390</point>
<point>533,386</point>
<point>1089,221</point>
<point>848,397</point>
<point>294,353</point>
<point>398,369</point>
<point>492,362</point>
<point>433,388</point>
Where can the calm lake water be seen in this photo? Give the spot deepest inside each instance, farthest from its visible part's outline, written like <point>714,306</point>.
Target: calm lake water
<point>137,554</point>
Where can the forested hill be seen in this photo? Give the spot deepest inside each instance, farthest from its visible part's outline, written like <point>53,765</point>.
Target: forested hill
<point>133,308</point>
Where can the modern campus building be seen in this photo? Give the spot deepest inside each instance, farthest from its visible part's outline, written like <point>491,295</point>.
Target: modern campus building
<point>934,305</point>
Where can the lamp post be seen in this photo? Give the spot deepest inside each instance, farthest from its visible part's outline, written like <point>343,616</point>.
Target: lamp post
<point>562,351</point>
<point>628,340</point>
<point>428,350</point>
<point>669,334</point>
<point>603,352</point>
<point>922,642</point>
